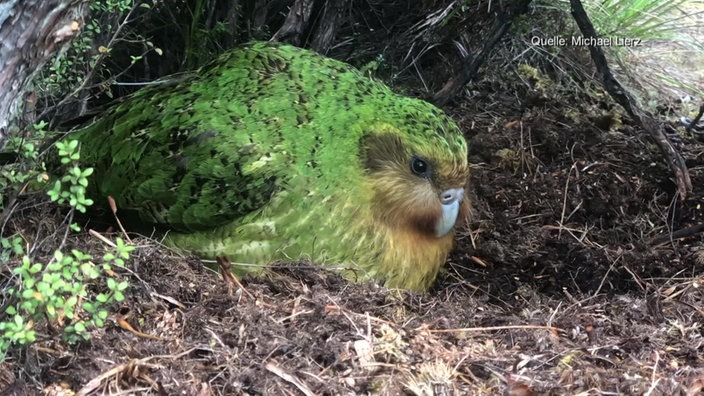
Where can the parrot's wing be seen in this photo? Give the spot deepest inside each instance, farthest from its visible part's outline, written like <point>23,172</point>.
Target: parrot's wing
<point>180,161</point>
<point>221,142</point>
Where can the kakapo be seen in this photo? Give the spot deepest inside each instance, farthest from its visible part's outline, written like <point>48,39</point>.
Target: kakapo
<point>273,152</point>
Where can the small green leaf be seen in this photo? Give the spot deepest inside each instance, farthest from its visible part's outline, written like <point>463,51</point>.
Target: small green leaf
<point>80,327</point>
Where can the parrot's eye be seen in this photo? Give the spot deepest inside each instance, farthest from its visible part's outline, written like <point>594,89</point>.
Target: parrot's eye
<point>420,167</point>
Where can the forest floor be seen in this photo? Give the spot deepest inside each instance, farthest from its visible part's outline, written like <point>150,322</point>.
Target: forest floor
<point>556,287</point>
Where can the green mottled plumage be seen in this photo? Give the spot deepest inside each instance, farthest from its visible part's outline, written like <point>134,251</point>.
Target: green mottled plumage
<point>274,152</point>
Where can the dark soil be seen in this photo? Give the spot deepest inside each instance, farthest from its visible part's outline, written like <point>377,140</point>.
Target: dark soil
<point>555,287</point>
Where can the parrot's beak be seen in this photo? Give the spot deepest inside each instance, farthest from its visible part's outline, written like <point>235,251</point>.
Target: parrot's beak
<point>450,200</point>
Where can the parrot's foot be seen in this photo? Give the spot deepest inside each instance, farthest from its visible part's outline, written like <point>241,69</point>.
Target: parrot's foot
<point>230,279</point>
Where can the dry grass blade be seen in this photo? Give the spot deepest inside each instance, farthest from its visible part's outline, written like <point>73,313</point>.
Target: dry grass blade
<point>288,377</point>
<point>132,367</point>
<point>113,207</point>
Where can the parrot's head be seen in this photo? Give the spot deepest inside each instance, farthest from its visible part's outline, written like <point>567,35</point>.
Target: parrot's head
<point>418,173</point>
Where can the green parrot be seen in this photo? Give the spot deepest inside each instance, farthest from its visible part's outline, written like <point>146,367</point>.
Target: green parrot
<point>273,152</point>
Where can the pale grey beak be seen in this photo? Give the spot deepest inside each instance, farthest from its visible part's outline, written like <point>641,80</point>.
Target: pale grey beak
<point>450,200</point>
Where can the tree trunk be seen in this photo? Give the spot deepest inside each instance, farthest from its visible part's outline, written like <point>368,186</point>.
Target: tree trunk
<point>314,22</point>
<point>467,70</point>
<point>31,31</point>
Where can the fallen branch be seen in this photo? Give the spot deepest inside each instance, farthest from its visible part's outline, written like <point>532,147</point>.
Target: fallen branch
<point>129,367</point>
<point>491,328</point>
<point>644,119</point>
<point>693,124</point>
<point>679,234</point>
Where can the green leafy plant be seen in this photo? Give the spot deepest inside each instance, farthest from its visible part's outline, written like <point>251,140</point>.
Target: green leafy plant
<point>80,70</point>
<point>57,292</point>
<point>75,178</point>
<point>27,167</point>
<point>9,247</point>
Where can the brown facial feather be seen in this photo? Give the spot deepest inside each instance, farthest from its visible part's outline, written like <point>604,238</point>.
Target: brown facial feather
<point>403,199</point>
<point>379,150</point>
<point>424,222</point>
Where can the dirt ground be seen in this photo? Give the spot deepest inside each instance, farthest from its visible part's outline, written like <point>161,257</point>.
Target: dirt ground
<point>556,287</point>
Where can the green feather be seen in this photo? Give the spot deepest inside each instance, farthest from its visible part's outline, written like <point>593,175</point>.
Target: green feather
<point>260,156</point>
